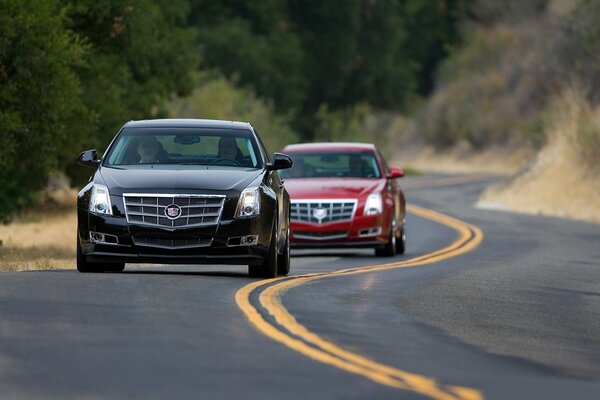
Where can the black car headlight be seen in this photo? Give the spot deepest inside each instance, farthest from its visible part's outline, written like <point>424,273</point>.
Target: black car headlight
<point>100,200</point>
<point>249,203</point>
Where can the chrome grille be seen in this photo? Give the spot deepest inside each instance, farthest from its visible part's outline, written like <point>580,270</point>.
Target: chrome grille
<point>196,210</point>
<point>171,243</point>
<point>323,211</point>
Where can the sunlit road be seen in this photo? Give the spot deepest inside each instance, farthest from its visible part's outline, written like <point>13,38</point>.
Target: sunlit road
<point>517,316</point>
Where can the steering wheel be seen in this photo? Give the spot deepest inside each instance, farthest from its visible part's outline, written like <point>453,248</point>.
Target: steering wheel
<point>225,161</point>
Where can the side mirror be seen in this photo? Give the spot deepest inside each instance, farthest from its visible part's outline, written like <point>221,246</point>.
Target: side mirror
<point>88,158</point>
<point>280,161</point>
<point>395,172</point>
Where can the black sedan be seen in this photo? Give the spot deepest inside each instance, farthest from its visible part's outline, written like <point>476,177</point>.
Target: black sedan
<point>184,192</point>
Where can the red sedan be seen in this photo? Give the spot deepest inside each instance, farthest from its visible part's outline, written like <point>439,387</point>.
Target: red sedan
<point>345,195</point>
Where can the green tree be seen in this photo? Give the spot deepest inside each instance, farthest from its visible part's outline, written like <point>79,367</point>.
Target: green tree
<point>139,55</point>
<point>255,43</point>
<point>41,112</point>
<point>338,53</point>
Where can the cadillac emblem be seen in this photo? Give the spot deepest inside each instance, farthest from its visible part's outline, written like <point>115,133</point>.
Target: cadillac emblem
<point>319,213</point>
<point>173,211</point>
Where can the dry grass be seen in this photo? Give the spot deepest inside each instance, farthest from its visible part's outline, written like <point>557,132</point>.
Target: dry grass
<point>560,182</point>
<point>40,240</point>
<point>463,159</point>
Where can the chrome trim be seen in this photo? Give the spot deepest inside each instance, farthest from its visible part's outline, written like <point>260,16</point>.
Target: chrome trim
<point>376,231</point>
<point>216,208</point>
<point>172,195</point>
<point>138,242</point>
<point>235,238</point>
<point>116,243</point>
<point>295,210</point>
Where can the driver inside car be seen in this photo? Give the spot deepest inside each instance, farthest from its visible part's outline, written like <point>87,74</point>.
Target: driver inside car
<point>150,150</point>
<point>229,150</point>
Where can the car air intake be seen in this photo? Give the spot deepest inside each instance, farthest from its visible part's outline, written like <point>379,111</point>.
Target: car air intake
<point>171,243</point>
<point>323,211</point>
<point>173,211</point>
<point>320,235</point>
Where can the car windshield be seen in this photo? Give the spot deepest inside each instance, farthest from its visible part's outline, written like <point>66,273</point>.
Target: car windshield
<point>333,164</point>
<point>184,146</point>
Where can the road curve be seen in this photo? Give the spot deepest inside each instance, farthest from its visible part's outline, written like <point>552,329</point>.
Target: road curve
<point>310,344</point>
<point>513,316</point>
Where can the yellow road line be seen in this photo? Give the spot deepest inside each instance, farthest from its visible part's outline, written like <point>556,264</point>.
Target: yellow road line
<point>319,349</point>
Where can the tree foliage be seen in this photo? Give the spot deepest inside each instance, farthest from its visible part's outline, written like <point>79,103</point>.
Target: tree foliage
<point>72,72</point>
<point>40,97</point>
<point>306,54</point>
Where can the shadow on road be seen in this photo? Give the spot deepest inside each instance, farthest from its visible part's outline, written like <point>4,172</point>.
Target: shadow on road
<point>230,274</point>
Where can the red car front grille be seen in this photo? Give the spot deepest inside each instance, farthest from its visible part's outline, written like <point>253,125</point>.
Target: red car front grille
<point>323,211</point>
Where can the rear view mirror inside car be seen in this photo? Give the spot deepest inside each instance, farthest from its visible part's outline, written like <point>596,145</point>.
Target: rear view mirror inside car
<point>186,139</point>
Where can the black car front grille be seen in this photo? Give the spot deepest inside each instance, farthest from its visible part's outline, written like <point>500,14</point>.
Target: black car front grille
<point>196,210</point>
<point>323,211</point>
<point>168,243</point>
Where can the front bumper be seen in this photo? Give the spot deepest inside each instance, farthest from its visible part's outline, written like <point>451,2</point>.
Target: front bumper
<point>140,244</point>
<point>362,231</point>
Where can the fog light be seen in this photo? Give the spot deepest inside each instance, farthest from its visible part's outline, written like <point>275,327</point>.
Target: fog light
<point>103,238</point>
<point>249,240</point>
<point>370,232</point>
<point>96,237</point>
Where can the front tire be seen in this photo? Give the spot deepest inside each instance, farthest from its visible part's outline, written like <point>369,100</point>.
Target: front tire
<point>268,269</point>
<point>114,267</point>
<point>82,264</point>
<point>401,244</point>
<point>390,248</point>
<point>283,261</point>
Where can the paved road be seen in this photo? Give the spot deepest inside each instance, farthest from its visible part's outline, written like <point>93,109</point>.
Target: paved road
<point>517,317</point>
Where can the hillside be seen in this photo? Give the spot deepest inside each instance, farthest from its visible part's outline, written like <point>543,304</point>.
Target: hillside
<point>522,97</point>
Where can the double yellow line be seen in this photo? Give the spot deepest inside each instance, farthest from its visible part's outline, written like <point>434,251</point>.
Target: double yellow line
<point>297,337</point>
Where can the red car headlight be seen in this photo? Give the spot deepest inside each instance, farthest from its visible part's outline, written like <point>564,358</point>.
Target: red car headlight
<point>374,204</point>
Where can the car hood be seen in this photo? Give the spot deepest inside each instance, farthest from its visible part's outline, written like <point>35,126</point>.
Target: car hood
<point>332,188</point>
<point>177,179</point>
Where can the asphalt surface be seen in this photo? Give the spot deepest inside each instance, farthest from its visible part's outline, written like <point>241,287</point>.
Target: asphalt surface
<point>517,317</point>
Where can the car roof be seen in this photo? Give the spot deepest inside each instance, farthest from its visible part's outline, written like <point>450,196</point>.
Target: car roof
<point>329,146</point>
<point>188,123</point>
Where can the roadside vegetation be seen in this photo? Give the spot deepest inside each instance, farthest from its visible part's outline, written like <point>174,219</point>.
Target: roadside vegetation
<point>522,95</point>
<point>73,71</point>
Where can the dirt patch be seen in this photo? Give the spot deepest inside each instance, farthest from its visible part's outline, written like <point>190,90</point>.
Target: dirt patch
<point>563,180</point>
<point>556,184</point>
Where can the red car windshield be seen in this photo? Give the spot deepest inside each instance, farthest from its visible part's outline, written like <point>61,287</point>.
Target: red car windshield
<point>333,164</point>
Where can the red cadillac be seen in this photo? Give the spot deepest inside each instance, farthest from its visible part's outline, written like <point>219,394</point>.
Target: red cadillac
<point>345,195</point>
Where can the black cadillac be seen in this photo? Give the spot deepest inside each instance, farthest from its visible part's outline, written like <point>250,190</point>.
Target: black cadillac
<point>179,191</point>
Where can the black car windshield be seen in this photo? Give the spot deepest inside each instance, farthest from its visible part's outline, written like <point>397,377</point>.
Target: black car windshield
<point>333,164</point>
<point>184,146</point>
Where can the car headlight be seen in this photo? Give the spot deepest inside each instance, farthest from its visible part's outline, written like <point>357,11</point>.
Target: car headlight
<point>249,203</point>
<point>100,200</point>
<point>374,204</point>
